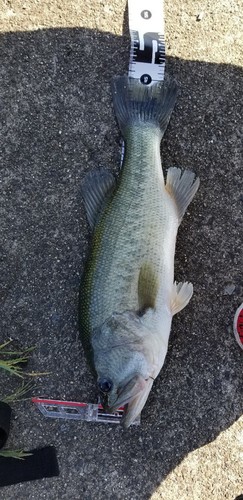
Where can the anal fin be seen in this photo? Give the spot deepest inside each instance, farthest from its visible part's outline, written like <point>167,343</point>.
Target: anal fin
<point>182,186</point>
<point>181,294</point>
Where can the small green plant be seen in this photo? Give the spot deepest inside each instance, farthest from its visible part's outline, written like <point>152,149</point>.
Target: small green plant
<point>14,359</point>
<point>10,361</point>
<point>19,394</point>
<point>20,454</point>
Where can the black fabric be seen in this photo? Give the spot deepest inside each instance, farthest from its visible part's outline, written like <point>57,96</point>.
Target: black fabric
<point>5,417</point>
<point>42,463</point>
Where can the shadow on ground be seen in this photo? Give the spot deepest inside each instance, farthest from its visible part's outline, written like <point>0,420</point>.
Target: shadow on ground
<point>56,124</point>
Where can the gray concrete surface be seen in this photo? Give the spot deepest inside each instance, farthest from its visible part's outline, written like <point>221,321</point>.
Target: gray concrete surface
<point>56,123</point>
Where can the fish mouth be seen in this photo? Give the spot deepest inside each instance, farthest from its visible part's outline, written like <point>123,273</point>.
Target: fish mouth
<point>133,398</point>
<point>126,393</point>
<point>131,395</point>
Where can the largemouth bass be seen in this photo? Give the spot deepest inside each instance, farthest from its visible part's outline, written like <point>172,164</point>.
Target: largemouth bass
<point>128,295</point>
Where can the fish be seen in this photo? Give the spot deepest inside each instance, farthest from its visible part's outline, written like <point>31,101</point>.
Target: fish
<point>128,295</point>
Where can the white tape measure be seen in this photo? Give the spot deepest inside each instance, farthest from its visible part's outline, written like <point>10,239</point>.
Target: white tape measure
<point>147,54</point>
<point>146,26</point>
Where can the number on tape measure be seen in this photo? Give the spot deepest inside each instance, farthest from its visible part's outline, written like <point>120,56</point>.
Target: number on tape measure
<point>146,25</point>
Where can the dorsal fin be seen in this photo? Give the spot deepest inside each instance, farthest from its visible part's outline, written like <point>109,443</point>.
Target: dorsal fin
<point>97,186</point>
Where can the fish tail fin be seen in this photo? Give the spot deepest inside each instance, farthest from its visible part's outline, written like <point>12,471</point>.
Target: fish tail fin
<point>135,103</point>
<point>182,186</point>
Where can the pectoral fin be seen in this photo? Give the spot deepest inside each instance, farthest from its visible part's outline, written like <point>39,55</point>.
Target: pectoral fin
<point>97,186</point>
<point>181,294</point>
<point>147,288</point>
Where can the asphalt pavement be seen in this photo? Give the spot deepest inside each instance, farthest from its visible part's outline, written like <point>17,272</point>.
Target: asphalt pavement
<point>57,60</point>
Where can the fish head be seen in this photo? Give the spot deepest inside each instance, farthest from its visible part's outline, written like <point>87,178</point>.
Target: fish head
<point>124,363</point>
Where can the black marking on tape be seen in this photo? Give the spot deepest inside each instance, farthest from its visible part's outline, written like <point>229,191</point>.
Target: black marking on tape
<point>146,79</point>
<point>146,55</point>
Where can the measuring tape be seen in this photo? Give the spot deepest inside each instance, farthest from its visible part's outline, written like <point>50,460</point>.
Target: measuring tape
<point>72,410</point>
<point>147,64</point>
<point>146,26</point>
<point>147,53</point>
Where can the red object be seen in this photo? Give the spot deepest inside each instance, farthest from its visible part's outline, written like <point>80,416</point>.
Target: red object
<point>56,402</point>
<point>238,326</point>
<point>74,410</point>
<point>63,403</point>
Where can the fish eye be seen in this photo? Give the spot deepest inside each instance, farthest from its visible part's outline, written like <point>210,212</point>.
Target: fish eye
<point>105,384</point>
